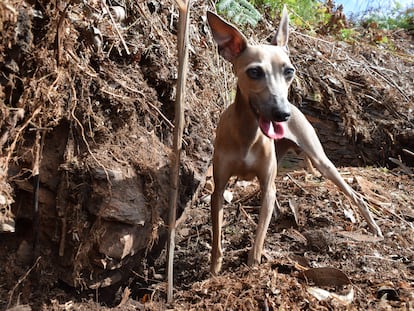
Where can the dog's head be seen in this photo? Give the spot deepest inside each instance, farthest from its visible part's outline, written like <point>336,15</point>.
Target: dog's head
<point>264,71</point>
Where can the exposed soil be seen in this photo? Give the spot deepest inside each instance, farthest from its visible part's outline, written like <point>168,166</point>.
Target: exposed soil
<point>380,272</point>
<point>87,105</point>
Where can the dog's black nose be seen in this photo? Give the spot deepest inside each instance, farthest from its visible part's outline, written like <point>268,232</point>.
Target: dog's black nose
<point>280,115</point>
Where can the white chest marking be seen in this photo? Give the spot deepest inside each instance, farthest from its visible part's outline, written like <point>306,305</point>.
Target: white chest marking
<point>249,159</point>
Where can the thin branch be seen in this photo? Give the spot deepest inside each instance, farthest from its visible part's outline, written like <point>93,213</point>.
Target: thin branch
<point>38,149</point>
<point>20,281</point>
<point>297,184</point>
<point>408,152</point>
<point>19,132</point>
<point>184,9</point>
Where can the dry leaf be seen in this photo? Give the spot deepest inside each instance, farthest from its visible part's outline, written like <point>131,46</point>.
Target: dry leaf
<point>318,293</point>
<point>228,196</point>
<point>326,276</point>
<point>359,237</point>
<point>322,294</point>
<point>293,204</point>
<point>373,192</point>
<point>349,213</point>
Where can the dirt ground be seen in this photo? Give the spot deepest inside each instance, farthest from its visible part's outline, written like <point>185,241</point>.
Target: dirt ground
<point>86,133</point>
<point>379,273</point>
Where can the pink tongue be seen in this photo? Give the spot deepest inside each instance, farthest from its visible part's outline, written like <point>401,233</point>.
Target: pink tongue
<point>272,129</point>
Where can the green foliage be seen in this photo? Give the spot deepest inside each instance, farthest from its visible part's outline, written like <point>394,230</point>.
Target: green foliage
<point>393,17</point>
<point>241,12</point>
<point>396,17</point>
<point>323,17</point>
<point>306,13</point>
<point>347,34</point>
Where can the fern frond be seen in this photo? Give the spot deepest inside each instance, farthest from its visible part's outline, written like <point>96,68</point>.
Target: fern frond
<point>241,12</point>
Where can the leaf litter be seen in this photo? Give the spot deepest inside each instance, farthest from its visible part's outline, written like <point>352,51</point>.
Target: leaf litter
<point>101,85</point>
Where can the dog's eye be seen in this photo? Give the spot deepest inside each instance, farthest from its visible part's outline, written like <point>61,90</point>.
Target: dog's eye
<point>289,72</point>
<point>255,73</point>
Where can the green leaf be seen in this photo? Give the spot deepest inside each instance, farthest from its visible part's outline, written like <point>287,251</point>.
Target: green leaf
<point>241,12</point>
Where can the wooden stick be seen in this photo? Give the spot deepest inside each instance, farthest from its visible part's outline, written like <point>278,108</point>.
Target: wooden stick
<point>35,174</point>
<point>38,152</point>
<point>406,151</point>
<point>183,25</point>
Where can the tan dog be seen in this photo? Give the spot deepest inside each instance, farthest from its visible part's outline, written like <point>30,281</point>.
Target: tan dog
<point>260,124</point>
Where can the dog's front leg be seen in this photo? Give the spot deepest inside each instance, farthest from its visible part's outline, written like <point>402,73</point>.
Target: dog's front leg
<point>268,189</point>
<point>217,221</point>
<point>221,176</point>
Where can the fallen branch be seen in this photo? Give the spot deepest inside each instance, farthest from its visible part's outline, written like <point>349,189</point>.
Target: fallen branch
<point>401,165</point>
<point>406,151</point>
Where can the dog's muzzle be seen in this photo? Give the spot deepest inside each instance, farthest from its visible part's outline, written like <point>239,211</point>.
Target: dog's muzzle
<point>272,120</point>
<point>280,115</point>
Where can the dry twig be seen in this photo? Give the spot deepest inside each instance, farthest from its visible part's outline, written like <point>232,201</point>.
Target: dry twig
<point>20,132</point>
<point>184,8</point>
<point>21,280</point>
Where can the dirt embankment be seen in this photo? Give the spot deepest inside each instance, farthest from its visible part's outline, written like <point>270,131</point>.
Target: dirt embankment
<point>87,97</point>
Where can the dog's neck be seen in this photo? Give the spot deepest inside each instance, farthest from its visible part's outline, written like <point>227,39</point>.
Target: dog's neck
<point>246,123</point>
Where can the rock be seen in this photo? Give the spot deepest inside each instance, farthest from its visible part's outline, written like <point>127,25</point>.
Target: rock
<point>123,202</point>
<point>119,240</point>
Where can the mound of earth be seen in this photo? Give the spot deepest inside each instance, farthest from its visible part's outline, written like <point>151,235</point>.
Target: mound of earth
<point>86,120</point>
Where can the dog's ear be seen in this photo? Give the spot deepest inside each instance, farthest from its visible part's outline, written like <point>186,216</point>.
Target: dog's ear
<point>231,42</point>
<point>282,35</point>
